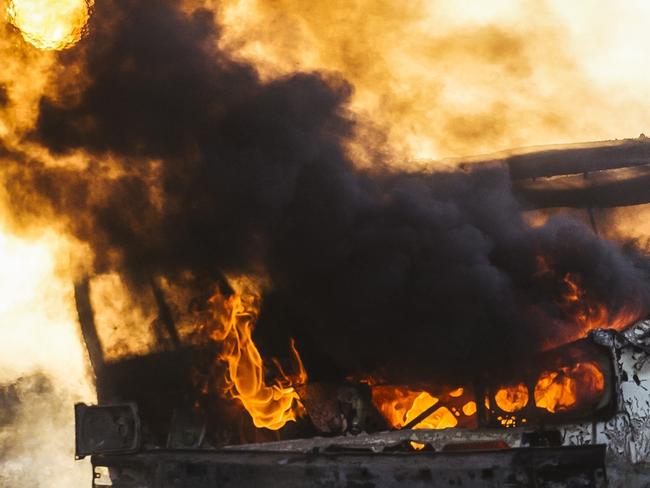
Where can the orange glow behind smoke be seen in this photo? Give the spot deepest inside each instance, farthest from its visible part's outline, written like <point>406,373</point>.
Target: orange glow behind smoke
<point>567,387</point>
<point>590,314</point>
<point>234,318</point>
<point>50,24</point>
<point>582,309</point>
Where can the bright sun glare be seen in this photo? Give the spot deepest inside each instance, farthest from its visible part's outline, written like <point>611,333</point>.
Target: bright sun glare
<point>50,24</point>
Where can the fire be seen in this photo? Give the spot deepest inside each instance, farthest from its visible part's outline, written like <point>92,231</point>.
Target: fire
<point>50,24</point>
<point>581,308</point>
<point>469,408</point>
<point>395,402</point>
<point>442,418</point>
<point>556,390</point>
<point>512,398</point>
<point>566,387</point>
<point>399,405</point>
<point>234,318</point>
<point>588,314</point>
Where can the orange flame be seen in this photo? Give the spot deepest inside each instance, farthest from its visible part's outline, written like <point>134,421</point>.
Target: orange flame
<point>400,405</point>
<point>270,406</point>
<point>567,387</point>
<point>583,309</point>
<point>563,389</point>
<point>469,408</point>
<point>512,398</point>
<point>590,315</point>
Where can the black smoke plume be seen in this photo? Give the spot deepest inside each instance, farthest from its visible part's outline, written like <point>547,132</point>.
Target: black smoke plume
<point>417,273</point>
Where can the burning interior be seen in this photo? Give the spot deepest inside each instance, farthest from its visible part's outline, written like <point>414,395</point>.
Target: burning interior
<point>208,385</point>
<point>232,395</point>
<point>211,389</point>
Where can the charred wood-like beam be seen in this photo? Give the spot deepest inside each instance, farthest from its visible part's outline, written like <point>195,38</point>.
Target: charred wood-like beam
<point>87,325</point>
<point>590,175</point>
<point>165,314</point>
<point>605,189</point>
<point>578,159</point>
<point>422,416</point>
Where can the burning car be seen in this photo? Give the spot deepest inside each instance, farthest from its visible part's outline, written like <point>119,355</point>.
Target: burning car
<point>207,409</point>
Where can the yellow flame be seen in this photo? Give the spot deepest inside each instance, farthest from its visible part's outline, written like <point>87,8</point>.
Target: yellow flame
<point>442,418</point>
<point>270,406</point>
<point>50,24</point>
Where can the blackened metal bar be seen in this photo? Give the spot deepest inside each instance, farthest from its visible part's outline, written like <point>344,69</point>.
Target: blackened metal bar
<point>87,325</point>
<point>165,314</point>
<point>421,417</point>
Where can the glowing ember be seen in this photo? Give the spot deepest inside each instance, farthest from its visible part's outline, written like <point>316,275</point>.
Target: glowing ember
<point>456,393</point>
<point>567,387</point>
<point>417,445</point>
<point>509,421</point>
<point>512,398</point>
<point>50,24</point>
<point>469,408</point>
<point>233,322</point>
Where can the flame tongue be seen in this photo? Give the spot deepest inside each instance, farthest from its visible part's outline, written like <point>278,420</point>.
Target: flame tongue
<point>234,318</point>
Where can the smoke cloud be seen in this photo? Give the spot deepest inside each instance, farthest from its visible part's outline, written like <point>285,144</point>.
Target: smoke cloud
<point>37,435</point>
<point>43,368</point>
<point>194,166</point>
<point>447,81</point>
